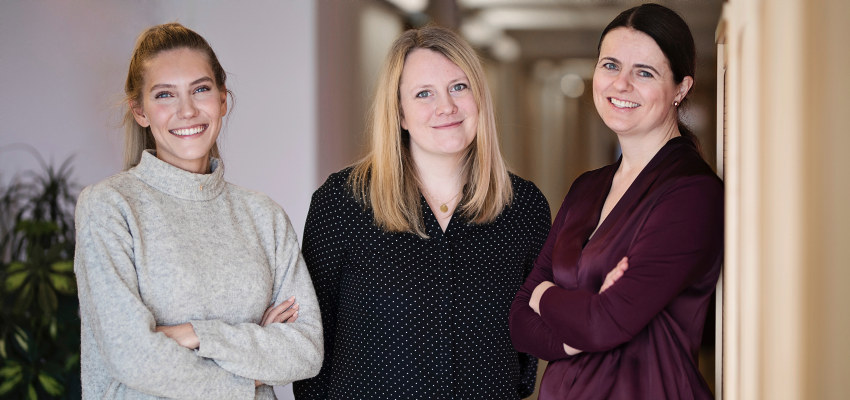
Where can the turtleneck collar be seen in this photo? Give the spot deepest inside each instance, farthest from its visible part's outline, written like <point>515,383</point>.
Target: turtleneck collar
<point>177,182</point>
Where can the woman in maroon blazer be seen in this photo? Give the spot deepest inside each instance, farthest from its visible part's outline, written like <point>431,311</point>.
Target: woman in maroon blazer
<point>657,214</point>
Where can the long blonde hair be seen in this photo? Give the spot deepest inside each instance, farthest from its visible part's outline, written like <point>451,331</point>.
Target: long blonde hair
<point>386,180</point>
<point>151,42</point>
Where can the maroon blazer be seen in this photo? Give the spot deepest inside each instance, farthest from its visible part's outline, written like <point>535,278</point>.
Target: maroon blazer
<point>640,338</point>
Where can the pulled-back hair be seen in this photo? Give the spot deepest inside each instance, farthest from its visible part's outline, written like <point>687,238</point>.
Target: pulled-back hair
<point>671,34</point>
<point>150,43</point>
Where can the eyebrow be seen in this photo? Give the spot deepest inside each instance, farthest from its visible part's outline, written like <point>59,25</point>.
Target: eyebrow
<point>646,66</point>
<point>170,86</point>
<point>452,82</point>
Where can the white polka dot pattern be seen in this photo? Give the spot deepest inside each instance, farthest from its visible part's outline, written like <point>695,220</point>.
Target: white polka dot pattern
<point>412,318</point>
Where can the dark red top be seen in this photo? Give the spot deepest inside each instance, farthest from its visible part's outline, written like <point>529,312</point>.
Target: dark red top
<point>640,338</point>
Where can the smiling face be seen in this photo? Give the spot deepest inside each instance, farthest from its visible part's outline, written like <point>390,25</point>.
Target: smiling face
<point>633,87</point>
<point>437,105</point>
<point>183,107</point>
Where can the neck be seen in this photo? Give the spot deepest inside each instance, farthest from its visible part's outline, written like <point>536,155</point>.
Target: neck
<point>440,176</point>
<point>638,150</point>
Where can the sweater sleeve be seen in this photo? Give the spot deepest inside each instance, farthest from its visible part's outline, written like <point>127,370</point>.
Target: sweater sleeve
<point>529,332</point>
<point>281,352</point>
<point>112,308</point>
<point>324,251</point>
<point>677,244</point>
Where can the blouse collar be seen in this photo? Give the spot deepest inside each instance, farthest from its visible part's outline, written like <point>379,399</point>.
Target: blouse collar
<point>177,182</point>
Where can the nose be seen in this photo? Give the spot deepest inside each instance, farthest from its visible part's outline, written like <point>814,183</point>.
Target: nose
<point>446,105</point>
<point>187,108</point>
<point>622,82</point>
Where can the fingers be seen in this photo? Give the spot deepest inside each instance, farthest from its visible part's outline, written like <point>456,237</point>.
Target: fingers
<point>289,315</point>
<point>280,312</point>
<point>615,274</point>
<point>270,312</point>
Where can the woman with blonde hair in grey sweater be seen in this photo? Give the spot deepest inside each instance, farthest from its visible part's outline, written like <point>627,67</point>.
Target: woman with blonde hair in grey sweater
<point>190,287</point>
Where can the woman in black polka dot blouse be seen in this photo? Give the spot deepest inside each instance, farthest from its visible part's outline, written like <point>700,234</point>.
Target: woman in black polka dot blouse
<point>417,251</point>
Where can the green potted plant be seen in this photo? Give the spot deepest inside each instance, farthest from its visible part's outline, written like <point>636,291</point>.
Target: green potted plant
<point>39,314</point>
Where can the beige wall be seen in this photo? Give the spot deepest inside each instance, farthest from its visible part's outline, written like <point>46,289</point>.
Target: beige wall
<point>354,36</point>
<point>788,223</point>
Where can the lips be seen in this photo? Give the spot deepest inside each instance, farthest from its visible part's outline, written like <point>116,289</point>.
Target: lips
<point>449,125</point>
<point>623,103</point>
<point>194,130</point>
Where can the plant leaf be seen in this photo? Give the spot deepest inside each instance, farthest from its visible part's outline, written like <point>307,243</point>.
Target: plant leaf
<point>53,328</point>
<point>15,280</point>
<point>50,384</point>
<point>24,296</point>
<point>31,394</point>
<point>21,339</point>
<point>72,361</point>
<point>12,370</point>
<point>9,384</point>
<point>47,299</point>
<point>16,266</point>
<point>62,283</point>
<point>62,266</point>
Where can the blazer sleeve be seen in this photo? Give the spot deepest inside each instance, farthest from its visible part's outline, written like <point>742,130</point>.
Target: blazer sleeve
<point>529,332</point>
<point>281,352</point>
<point>325,254</point>
<point>677,244</point>
<point>123,327</point>
<point>537,209</point>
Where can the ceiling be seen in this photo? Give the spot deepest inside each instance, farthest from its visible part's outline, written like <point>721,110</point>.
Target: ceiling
<point>563,29</point>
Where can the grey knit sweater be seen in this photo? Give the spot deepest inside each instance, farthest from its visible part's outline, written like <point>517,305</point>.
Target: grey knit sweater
<point>157,245</point>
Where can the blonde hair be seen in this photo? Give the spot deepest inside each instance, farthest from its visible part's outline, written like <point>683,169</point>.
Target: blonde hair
<point>150,43</point>
<point>386,181</point>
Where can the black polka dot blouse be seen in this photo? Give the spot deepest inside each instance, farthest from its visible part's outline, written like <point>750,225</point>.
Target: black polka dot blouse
<point>412,318</point>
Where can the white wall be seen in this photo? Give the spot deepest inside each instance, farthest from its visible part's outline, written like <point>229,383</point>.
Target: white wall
<point>63,65</point>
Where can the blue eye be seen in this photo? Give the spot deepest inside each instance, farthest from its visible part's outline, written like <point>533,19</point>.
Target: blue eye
<point>458,87</point>
<point>162,95</point>
<point>645,74</point>
<point>202,89</point>
<point>423,94</point>
<point>610,66</point>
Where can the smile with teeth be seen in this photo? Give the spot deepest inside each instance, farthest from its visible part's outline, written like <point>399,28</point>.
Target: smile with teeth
<point>622,103</point>
<point>189,131</point>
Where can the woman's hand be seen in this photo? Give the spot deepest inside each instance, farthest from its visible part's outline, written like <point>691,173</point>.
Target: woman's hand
<point>183,334</point>
<point>537,294</point>
<point>283,312</point>
<point>615,274</point>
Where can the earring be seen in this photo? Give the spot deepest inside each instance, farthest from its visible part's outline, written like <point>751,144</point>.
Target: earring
<point>675,103</point>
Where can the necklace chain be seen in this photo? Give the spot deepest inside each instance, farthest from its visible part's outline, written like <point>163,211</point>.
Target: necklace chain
<point>444,206</point>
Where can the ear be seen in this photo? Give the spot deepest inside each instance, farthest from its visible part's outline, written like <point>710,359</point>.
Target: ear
<point>684,88</point>
<point>223,100</point>
<point>139,114</point>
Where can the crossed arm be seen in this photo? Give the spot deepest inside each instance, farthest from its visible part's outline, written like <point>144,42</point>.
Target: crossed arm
<point>615,274</point>
<point>184,334</point>
<point>230,360</point>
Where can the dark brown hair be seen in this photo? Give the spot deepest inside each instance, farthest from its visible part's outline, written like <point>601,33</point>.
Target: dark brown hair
<point>672,35</point>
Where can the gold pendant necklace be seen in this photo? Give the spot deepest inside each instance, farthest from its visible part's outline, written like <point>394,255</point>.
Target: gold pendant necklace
<point>444,206</point>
